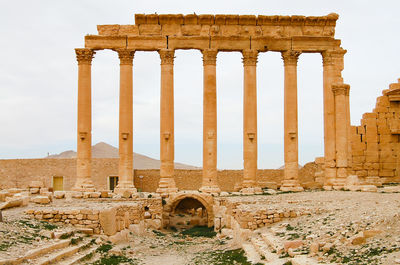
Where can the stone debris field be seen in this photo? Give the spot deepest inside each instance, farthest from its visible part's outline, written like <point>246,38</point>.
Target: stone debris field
<point>311,227</point>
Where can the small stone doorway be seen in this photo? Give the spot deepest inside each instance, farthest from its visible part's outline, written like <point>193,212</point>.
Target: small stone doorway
<point>58,183</point>
<point>112,182</point>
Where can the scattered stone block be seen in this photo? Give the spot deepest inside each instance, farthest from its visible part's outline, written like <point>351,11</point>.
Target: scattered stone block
<point>59,194</point>
<point>41,200</point>
<point>108,221</point>
<point>292,244</point>
<point>369,188</point>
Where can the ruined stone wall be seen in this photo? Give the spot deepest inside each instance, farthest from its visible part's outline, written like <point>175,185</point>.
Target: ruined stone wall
<point>375,143</point>
<point>20,172</point>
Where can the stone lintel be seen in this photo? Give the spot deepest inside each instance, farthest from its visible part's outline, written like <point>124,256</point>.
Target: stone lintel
<point>96,42</point>
<point>144,43</point>
<point>232,43</point>
<point>189,42</point>
<point>314,44</point>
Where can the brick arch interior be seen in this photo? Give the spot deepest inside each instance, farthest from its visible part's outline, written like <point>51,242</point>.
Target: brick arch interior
<point>172,205</point>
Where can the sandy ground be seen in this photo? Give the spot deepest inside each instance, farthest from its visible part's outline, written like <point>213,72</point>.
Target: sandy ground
<point>343,217</point>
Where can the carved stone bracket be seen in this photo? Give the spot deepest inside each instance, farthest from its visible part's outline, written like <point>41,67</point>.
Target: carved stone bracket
<point>125,56</point>
<point>340,89</point>
<point>84,56</point>
<point>167,56</point>
<point>249,57</point>
<point>209,57</point>
<point>290,57</point>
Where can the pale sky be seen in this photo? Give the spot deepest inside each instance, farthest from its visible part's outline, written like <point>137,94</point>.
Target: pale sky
<point>38,78</point>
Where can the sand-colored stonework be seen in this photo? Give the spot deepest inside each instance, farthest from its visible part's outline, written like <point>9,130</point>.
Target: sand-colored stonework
<point>292,215</point>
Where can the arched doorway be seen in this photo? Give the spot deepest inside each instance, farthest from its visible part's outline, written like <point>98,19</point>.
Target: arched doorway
<point>188,209</point>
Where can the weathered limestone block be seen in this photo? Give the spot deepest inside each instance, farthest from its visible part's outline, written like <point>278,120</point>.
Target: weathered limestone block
<point>108,221</point>
<point>59,194</point>
<point>41,200</point>
<point>11,203</point>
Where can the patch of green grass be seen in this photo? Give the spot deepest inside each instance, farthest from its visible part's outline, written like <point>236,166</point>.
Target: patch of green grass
<point>88,256</point>
<point>104,248</point>
<point>158,233</point>
<point>220,257</point>
<point>287,263</point>
<point>67,235</point>
<point>114,260</point>
<point>48,226</point>
<point>5,245</point>
<point>173,228</point>
<point>200,231</point>
<point>75,241</point>
<point>289,227</point>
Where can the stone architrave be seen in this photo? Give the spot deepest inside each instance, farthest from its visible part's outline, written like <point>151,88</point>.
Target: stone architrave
<point>167,182</point>
<point>84,142</point>
<point>125,170</point>
<point>291,172</point>
<point>332,67</point>
<point>341,92</point>
<point>209,182</point>
<point>249,185</point>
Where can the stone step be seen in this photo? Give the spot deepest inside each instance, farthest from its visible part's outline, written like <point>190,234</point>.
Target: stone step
<point>251,253</point>
<point>263,250</point>
<point>304,260</point>
<point>80,257</point>
<point>58,254</point>
<point>272,241</point>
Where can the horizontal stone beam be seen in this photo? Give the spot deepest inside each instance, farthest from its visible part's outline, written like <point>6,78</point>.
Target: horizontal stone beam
<point>233,43</point>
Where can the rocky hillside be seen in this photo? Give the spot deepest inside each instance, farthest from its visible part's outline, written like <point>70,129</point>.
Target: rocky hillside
<point>104,150</point>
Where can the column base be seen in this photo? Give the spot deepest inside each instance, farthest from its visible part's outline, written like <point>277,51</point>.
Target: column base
<point>291,185</point>
<point>122,191</point>
<point>166,186</point>
<point>210,189</point>
<point>251,190</point>
<point>84,185</point>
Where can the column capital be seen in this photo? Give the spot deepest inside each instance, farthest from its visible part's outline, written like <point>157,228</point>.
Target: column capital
<point>340,89</point>
<point>290,57</point>
<point>330,57</point>
<point>166,56</point>
<point>249,57</point>
<point>209,56</point>
<point>125,56</point>
<point>84,56</point>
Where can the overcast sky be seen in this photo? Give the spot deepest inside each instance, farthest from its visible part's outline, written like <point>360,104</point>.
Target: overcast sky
<point>38,78</point>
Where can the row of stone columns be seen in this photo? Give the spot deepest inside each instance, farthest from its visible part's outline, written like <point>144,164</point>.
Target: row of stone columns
<point>336,122</point>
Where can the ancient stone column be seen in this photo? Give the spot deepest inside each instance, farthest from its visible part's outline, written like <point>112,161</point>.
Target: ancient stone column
<point>341,91</point>
<point>291,174</point>
<point>209,182</point>
<point>125,169</point>
<point>167,182</point>
<point>249,184</point>
<point>332,65</point>
<point>84,142</point>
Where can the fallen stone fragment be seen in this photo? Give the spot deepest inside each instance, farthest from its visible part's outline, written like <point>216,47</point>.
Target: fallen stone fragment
<point>292,244</point>
<point>41,200</point>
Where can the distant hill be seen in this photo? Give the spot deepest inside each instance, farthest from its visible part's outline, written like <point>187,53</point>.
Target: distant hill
<point>104,150</point>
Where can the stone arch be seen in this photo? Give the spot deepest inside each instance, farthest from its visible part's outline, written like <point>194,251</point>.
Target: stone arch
<point>204,199</point>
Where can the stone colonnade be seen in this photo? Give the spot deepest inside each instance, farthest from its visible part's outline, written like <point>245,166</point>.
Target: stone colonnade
<point>336,121</point>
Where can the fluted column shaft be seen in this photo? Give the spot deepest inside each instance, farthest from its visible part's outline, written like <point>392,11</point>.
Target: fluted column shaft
<point>291,174</point>
<point>332,67</point>
<point>341,92</point>
<point>249,121</point>
<point>125,169</point>
<point>209,182</point>
<point>167,182</point>
<point>84,143</point>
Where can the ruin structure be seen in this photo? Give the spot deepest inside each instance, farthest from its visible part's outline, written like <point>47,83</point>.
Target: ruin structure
<point>248,34</point>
